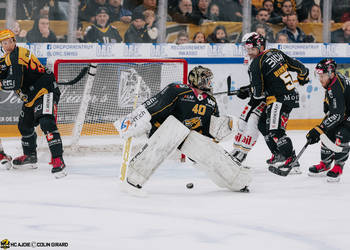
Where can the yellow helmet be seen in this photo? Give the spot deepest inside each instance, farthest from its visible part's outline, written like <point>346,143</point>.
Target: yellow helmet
<point>4,34</point>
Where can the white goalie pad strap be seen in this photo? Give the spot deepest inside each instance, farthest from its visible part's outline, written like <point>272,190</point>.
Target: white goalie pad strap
<point>134,124</point>
<point>158,147</point>
<point>222,126</point>
<point>214,160</point>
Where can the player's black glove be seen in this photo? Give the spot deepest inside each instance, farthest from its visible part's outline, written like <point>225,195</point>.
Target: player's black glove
<point>304,79</point>
<point>244,92</point>
<point>313,136</point>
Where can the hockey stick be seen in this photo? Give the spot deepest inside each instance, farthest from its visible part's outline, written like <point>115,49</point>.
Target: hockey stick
<point>81,74</point>
<point>279,171</point>
<point>228,92</point>
<point>127,145</point>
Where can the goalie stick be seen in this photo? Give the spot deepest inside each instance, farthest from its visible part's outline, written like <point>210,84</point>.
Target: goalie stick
<point>128,145</point>
<point>228,92</point>
<point>81,74</point>
<point>279,171</point>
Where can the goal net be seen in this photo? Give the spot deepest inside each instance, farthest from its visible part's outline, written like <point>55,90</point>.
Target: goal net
<point>88,108</point>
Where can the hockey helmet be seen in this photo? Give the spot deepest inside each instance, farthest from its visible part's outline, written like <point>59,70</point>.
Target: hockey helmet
<point>255,40</point>
<point>6,33</point>
<point>201,78</point>
<point>327,65</point>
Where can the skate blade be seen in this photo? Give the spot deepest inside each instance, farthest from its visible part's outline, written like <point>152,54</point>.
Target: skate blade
<point>296,170</point>
<point>134,191</point>
<point>321,174</point>
<point>333,180</point>
<point>60,174</point>
<point>26,166</point>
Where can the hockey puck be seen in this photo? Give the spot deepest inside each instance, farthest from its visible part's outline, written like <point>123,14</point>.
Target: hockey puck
<point>189,185</point>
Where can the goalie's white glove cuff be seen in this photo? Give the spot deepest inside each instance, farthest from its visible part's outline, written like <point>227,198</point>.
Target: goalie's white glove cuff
<point>134,124</point>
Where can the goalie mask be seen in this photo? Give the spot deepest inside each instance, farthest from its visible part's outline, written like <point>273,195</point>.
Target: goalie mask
<point>201,78</point>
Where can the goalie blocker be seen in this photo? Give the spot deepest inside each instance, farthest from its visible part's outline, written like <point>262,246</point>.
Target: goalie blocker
<point>210,157</point>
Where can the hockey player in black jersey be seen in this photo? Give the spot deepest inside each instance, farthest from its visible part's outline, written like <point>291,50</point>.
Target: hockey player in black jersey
<point>336,123</point>
<point>23,73</point>
<point>185,117</point>
<point>270,78</point>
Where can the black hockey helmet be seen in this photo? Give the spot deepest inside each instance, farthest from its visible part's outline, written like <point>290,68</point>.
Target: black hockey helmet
<point>255,40</point>
<point>327,65</point>
<point>201,78</point>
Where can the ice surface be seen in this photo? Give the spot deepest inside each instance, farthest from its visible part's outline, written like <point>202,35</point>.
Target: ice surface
<point>88,210</point>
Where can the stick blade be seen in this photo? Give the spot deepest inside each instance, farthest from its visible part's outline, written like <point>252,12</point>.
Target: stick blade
<point>279,171</point>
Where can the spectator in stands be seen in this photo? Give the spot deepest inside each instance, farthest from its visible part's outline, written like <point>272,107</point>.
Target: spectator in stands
<point>341,35</point>
<point>261,18</point>
<point>146,5</point>
<point>314,15</point>
<point>214,12</point>
<point>41,33</point>
<point>281,38</point>
<point>87,11</point>
<point>340,10</point>
<point>201,12</point>
<point>131,4</point>
<point>219,35</point>
<point>152,30</point>
<point>199,37</point>
<point>231,10</point>
<point>118,12</point>
<point>137,31</point>
<point>183,12</point>
<point>260,29</point>
<point>20,35</point>
<point>286,9</point>
<point>294,33</point>
<point>280,7</point>
<point>102,31</point>
<point>26,9</point>
<point>182,37</point>
<point>268,5</point>
<point>49,8</point>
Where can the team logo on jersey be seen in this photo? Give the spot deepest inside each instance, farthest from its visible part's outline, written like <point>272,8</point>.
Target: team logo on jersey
<point>193,123</point>
<point>211,102</point>
<point>188,98</point>
<point>125,125</point>
<point>49,136</point>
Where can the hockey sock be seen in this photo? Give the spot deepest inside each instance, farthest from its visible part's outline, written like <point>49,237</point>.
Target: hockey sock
<point>325,155</point>
<point>285,146</point>
<point>271,144</point>
<point>55,144</point>
<point>29,144</point>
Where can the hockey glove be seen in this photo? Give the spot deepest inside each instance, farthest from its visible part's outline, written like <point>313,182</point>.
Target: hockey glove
<point>134,124</point>
<point>304,79</point>
<point>244,92</point>
<point>313,136</point>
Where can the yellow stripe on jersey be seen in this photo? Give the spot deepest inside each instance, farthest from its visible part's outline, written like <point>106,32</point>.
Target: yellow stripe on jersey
<point>41,92</point>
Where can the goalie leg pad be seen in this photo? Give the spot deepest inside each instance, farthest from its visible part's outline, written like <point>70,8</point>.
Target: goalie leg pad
<point>161,144</point>
<point>216,162</point>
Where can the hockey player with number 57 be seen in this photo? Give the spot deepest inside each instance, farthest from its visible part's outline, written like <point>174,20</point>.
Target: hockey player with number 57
<point>270,78</point>
<point>184,117</point>
<point>336,124</point>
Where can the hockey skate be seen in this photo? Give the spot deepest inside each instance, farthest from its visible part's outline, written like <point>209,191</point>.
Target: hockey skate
<point>334,174</point>
<point>320,169</point>
<point>25,161</point>
<point>5,160</point>
<point>275,160</point>
<point>58,167</point>
<point>289,166</point>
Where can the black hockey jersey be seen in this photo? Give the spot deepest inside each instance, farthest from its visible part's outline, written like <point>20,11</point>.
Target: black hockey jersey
<point>183,102</point>
<point>337,102</point>
<point>270,77</point>
<point>27,76</point>
<point>95,34</point>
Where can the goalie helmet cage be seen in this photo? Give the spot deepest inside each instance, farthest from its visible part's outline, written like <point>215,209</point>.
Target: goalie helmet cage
<point>87,109</point>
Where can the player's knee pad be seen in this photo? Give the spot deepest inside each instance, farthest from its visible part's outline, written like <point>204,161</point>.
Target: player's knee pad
<point>216,162</point>
<point>47,124</point>
<point>161,144</point>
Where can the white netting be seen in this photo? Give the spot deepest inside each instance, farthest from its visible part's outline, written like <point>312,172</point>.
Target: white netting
<point>112,96</point>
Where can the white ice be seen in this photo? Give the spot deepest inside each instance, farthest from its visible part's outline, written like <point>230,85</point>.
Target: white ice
<point>88,210</point>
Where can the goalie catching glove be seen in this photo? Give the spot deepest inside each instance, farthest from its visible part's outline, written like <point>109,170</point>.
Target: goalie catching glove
<point>222,126</point>
<point>134,124</point>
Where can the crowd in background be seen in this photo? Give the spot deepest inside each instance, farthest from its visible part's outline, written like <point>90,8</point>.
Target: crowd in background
<point>141,16</point>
